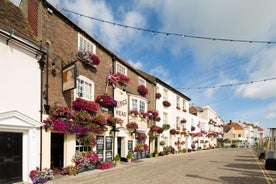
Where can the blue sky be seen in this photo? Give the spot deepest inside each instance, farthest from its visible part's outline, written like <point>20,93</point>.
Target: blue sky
<point>188,63</point>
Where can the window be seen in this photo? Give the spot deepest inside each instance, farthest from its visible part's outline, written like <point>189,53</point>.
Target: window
<point>178,101</point>
<point>80,147</point>
<point>165,118</point>
<point>85,88</point>
<point>120,68</point>
<point>165,94</point>
<point>85,44</point>
<point>177,120</point>
<point>141,81</point>
<point>138,104</point>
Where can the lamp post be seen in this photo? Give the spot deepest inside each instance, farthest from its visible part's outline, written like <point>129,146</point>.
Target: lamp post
<point>113,132</point>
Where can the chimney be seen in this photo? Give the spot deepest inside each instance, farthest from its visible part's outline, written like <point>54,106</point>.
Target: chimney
<point>30,9</point>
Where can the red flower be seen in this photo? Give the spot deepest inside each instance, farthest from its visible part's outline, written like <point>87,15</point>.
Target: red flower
<point>142,90</point>
<point>166,103</point>
<point>96,60</point>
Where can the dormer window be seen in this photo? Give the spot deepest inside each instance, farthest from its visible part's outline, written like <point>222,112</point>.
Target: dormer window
<point>85,45</point>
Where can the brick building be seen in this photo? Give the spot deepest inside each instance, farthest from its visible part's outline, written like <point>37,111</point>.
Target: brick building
<point>68,47</point>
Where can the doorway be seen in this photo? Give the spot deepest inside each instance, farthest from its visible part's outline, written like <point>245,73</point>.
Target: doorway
<point>10,157</point>
<point>57,151</point>
<point>119,143</point>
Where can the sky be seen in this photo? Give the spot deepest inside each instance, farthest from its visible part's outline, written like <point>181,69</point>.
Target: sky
<point>187,63</point>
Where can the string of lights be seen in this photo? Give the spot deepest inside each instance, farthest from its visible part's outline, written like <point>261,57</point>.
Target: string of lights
<point>169,33</point>
<point>229,85</point>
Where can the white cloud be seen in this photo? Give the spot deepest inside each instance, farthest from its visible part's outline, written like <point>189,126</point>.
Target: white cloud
<point>270,111</point>
<point>137,64</point>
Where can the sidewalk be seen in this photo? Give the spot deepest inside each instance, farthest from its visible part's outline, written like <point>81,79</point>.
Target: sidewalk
<point>88,175</point>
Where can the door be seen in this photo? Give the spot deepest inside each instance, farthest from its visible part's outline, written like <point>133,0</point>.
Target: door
<point>10,157</point>
<point>57,144</point>
<point>119,143</point>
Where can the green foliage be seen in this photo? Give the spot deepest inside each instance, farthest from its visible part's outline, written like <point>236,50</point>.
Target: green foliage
<point>117,157</point>
<point>129,155</point>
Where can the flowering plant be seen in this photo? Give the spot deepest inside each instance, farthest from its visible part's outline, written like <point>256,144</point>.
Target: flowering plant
<point>122,78</point>
<point>84,105</point>
<point>89,57</point>
<point>162,142</point>
<point>166,126</point>
<point>183,121</point>
<point>132,126</point>
<point>112,121</point>
<point>99,120</point>
<point>57,110</point>
<point>193,146</point>
<point>95,59</point>
<point>70,170</point>
<point>141,137</point>
<point>157,129</point>
<point>152,115</point>
<point>104,165</point>
<point>178,107</point>
<point>192,128</point>
<point>173,131</point>
<point>106,101</point>
<point>184,110</point>
<point>166,103</point>
<point>42,176</point>
<point>85,159</point>
<point>87,139</point>
<point>142,90</point>
<point>134,112</point>
<point>158,95</point>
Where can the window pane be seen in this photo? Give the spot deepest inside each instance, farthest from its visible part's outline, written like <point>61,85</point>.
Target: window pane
<point>142,106</point>
<point>134,104</point>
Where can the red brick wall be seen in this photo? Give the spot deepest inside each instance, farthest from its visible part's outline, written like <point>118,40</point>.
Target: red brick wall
<point>33,15</point>
<point>64,41</point>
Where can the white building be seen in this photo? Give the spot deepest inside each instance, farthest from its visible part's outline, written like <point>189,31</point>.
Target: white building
<point>173,108</point>
<point>19,96</point>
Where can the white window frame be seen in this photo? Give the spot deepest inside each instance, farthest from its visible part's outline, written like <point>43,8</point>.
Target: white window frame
<point>142,81</point>
<point>88,81</point>
<point>87,45</point>
<point>118,66</point>
<point>178,101</point>
<point>165,118</point>
<point>139,101</point>
<point>165,94</point>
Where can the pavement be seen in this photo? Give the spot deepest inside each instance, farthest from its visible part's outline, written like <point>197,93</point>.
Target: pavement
<point>94,174</point>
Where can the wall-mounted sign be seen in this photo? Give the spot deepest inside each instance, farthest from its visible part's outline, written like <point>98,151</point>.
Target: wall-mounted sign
<point>69,77</point>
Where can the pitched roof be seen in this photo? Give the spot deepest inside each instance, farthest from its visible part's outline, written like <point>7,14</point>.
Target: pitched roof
<point>236,126</point>
<point>12,20</point>
<point>226,128</point>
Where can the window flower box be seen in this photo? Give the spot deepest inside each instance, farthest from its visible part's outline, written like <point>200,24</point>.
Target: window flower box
<point>166,103</point>
<point>178,107</point>
<point>142,90</point>
<point>88,57</point>
<point>123,79</point>
<point>134,112</point>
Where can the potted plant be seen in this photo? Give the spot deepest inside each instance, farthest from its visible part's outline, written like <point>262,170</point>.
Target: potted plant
<point>117,159</point>
<point>155,153</point>
<point>129,157</point>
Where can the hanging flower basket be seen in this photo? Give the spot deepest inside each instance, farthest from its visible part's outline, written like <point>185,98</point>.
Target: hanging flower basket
<point>142,90</point>
<point>173,131</point>
<point>166,126</point>
<point>192,128</point>
<point>141,137</point>
<point>158,95</point>
<point>112,121</point>
<point>106,101</point>
<point>183,121</point>
<point>166,103</point>
<point>84,105</point>
<point>132,126</point>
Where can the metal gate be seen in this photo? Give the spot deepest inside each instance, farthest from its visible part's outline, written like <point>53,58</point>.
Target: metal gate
<point>10,157</point>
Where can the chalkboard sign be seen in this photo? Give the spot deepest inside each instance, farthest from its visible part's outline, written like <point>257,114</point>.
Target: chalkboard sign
<point>130,145</point>
<point>108,143</point>
<point>108,155</point>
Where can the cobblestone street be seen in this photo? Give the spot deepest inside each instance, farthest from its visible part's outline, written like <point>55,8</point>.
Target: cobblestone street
<point>229,166</point>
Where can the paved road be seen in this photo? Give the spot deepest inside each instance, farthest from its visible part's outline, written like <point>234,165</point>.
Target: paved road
<point>227,166</point>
